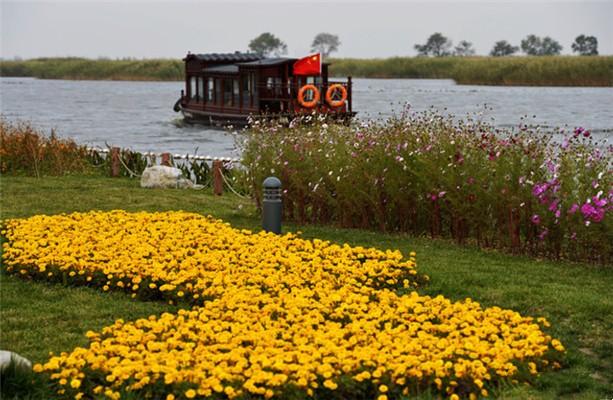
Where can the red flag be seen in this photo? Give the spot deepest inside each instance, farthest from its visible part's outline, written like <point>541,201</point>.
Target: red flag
<point>310,65</point>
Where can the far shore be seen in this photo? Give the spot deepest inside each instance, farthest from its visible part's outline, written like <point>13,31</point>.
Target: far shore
<point>596,71</point>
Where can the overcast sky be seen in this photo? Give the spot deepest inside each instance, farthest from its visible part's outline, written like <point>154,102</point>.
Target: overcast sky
<point>147,29</point>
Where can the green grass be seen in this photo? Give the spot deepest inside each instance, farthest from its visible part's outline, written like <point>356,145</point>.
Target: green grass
<point>531,71</point>
<point>37,317</point>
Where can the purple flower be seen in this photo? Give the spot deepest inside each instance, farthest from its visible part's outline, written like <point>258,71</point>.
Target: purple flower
<point>565,143</point>
<point>578,131</point>
<point>586,133</point>
<point>591,213</point>
<point>554,205</point>
<point>536,220</point>
<point>543,233</point>
<point>540,188</point>
<point>573,209</point>
<point>599,202</point>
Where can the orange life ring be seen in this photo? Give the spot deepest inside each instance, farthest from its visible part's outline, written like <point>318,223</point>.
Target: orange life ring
<point>330,92</point>
<point>310,103</point>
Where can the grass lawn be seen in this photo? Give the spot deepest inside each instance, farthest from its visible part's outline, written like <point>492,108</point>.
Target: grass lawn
<point>576,298</point>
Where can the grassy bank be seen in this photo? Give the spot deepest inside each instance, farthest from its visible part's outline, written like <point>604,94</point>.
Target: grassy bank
<point>506,71</point>
<point>530,71</point>
<point>102,69</point>
<point>572,296</point>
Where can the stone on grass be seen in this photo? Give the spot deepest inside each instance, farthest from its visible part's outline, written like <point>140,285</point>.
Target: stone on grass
<point>163,177</point>
<point>20,362</point>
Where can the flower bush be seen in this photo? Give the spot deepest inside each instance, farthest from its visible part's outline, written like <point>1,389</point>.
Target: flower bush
<point>514,189</point>
<point>273,316</point>
<point>25,149</point>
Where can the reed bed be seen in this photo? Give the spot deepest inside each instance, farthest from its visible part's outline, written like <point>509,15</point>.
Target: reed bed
<point>101,69</point>
<point>505,71</point>
<point>528,71</point>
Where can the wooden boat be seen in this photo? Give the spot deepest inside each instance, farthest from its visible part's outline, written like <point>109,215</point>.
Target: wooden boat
<point>229,89</point>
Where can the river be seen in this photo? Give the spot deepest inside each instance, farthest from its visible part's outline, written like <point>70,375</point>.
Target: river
<point>138,115</point>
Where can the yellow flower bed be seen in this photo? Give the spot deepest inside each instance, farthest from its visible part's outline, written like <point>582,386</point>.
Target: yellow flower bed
<point>283,317</point>
<point>181,255</point>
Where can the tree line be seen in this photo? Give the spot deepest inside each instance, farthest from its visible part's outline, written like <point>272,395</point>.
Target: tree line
<point>437,45</point>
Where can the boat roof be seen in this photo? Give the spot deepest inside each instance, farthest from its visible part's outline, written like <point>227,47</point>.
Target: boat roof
<point>225,57</point>
<point>269,61</point>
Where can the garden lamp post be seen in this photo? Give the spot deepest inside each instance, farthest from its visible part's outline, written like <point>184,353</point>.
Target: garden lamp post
<point>272,205</point>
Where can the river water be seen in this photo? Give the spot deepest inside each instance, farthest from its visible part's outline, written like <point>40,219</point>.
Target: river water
<point>138,115</point>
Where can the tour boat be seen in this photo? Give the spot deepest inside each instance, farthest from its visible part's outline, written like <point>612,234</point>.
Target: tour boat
<point>231,88</point>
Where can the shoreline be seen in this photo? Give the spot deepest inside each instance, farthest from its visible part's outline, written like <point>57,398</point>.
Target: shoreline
<point>550,71</point>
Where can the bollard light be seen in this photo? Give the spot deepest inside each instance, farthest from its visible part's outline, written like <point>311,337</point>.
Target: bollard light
<point>272,205</point>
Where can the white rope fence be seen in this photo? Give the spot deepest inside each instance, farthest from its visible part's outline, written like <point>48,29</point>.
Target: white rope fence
<point>175,156</point>
<point>186,157</point>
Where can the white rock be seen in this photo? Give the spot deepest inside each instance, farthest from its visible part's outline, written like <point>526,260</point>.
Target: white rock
<point>5,360</point>
<point>161,176</point>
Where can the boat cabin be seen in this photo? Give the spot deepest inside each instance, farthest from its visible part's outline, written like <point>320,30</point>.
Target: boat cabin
<point>223,89</point>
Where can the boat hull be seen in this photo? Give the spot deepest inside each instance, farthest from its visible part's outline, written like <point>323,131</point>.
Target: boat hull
<point>241,120</point>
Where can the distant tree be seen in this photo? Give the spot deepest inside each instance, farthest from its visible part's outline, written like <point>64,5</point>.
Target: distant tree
<point>325,43</point>
<point>503,48</point>
<point>268,44</point>
<point>437,46</point>
<point>585,45</point>
<point>550,47</point>
<point>464,48</point>
<point>535,46</point>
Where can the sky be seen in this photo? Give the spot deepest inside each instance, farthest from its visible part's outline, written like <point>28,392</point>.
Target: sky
<point>367,29</point>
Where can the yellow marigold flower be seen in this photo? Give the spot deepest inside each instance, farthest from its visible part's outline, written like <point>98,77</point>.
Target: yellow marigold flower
<point>190,394</point>
<point>75,383</point>
<point>330,384</point>
<point>383,389</point>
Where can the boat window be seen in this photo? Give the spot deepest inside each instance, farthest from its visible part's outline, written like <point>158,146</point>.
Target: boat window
<point>269,82</point>
<point>192,87</point>
<point>218,92</point>
<point>201,91</point>
<point>236,93</point>
<point>310,80</point>
<point>227,92</point>
<point>210,90</point>
<point>246,84</point>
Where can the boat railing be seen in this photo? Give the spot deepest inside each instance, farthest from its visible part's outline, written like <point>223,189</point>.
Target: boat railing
<point>288,91</point>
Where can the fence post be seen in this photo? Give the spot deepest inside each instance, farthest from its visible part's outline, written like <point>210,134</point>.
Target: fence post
<point>272,205</point>
<point>218,177</point>
<point>115,162</point>
<point>165,159</point>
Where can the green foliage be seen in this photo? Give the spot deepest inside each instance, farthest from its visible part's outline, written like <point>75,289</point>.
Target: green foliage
<point>463,49</point>
<point>101,69</point>
<point>325,43</point>
<point>508,71</point>
<point>503,48</point>
<point>428,175</point>
<point>533,45</point>
<point>585,45</point>
<point>267,44</point>
<point>437,45</point>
